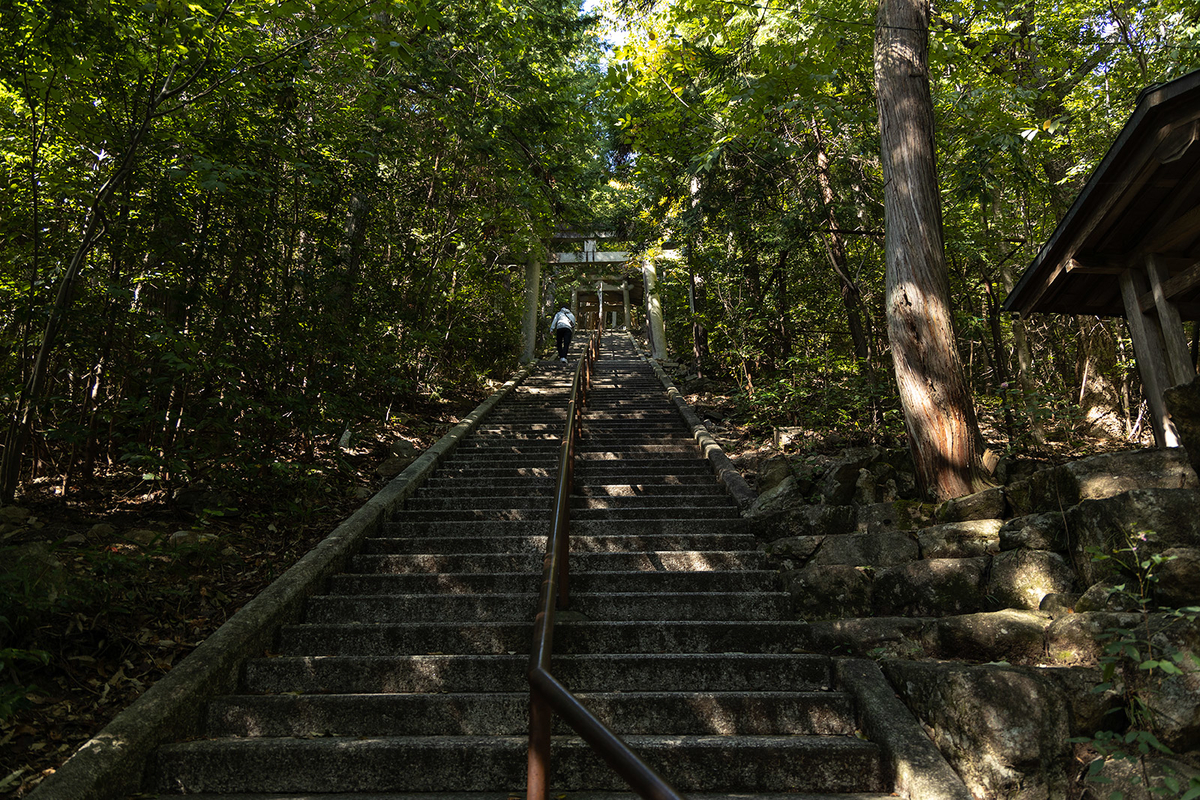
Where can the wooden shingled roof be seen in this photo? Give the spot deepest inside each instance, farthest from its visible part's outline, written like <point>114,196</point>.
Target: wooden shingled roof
<point>1144,197</point>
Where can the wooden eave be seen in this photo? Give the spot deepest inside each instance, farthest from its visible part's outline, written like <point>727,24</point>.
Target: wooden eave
<point>1143,198</point>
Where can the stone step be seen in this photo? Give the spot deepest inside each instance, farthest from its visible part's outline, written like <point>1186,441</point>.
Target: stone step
<point>507,714</point>
<point>679,512</point>
<point>640,513</point>
<point>541,487</point>
<point>591,499</point>
<point>649,501</point>
<point>448,545</point>
<point>520,607</point>
<point>435,503</point>
<point>639,527</point>
<point>499,638</point>
<point>480,514</point>
<point>531,563</point>
<point>487,473</point>
<point>464,459</point>
<point>494,795</point>
<point>641,465</point>
<point>480,763</point>
<point>515,582</point>
<point>752,672</point>
<point>588,451</point>
<point>640,446</point>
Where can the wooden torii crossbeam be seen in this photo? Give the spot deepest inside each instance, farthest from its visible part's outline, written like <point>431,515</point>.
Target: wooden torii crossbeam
<point>1130,244</point>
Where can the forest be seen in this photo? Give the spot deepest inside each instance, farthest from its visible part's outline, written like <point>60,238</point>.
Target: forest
<point>231,231</point>
<point>236,234</point>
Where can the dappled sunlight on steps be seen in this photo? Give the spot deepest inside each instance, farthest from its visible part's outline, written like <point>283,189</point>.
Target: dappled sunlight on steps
<point>405,678</point>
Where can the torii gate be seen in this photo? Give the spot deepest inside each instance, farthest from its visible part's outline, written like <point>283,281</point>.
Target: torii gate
<point>600,286</point>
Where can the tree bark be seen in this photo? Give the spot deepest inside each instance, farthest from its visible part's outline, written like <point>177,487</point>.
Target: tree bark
<point>938,409</point>
<point>835,248</point>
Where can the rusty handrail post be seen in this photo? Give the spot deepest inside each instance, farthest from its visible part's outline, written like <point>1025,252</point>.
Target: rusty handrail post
<point>546,693</point>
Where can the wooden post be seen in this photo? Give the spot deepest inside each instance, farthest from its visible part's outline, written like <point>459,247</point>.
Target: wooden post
<point>1179,362</point>
<point>1148,349</point>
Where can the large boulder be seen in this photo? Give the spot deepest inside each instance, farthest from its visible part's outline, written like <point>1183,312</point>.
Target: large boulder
<point>1079,639</point>
<point>880,550</point>
<point>1016,636</point>
<point>803,521</point>
<point>1035,532</point>
<point>1184,404</point>
<point>1092,707</point>
<point>1178,578</point>
<point>841,476</point>
<point>1098,477</point>
<point>783,496</point>
<point>828,592</point>
<point>792,552</point>
<point>988,504</point>
<point>1003,729</point>
<point>898,515</point>
<point>1110,535</point>
<point>935,587</point>
<point>1172,698</point>
<point>874,637</point>
<point>1021,578</point>
<point>979,537</point>
<point>773,472</point>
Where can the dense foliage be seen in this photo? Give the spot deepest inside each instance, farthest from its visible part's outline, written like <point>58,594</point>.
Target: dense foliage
<point>229,230</point>
<point>755,148</point>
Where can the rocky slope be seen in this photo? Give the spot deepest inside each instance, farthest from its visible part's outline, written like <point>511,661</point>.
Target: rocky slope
<point>995,616</point>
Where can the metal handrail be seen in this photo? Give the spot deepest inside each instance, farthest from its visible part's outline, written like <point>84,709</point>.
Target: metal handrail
<point>546,693</point>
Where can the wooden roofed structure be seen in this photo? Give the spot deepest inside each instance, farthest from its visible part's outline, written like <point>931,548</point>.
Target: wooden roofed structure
<point>1130,244</point>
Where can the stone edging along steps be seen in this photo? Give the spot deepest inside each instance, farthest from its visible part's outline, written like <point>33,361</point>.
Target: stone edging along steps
<point>111,764</point>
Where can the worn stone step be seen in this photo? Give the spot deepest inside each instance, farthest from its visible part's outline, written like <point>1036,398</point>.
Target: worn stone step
<point>426,502</point>
<point>496,795</point>
<point>668,484</point>
<point>465,459</point>
<point>479,763</point>
<point>531,562</point>
<point>470,514</point>
<point>641,465</point>
<point>634,543</point>
<point>507,713</point>
<point>506,673</point>
<point>677,512</point>
<point>587,451</point>
<point>509,487</point>
<point>649,501</point>
<point>515,582</point>
<point>640,527</point>
<point>511,471</point>
<point>520,607</point>
<point>498,638</point>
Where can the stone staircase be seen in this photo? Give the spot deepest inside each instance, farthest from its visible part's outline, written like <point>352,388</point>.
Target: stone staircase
<point>408,674</point>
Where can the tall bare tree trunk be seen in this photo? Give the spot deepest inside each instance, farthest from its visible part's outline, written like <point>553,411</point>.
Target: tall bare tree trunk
<point>938,409</point>
<point>835,248</point>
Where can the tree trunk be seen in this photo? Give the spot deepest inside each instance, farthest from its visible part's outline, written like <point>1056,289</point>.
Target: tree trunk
<point>938,410</point>
<point>835,248</point>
